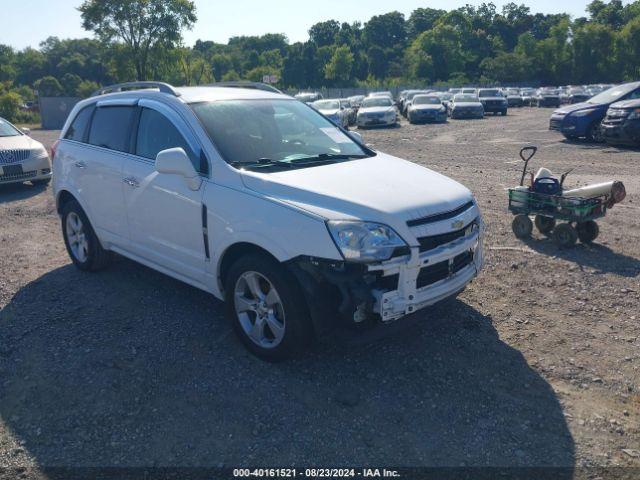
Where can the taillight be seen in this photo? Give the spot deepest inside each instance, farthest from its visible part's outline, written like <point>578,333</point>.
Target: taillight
<point>54,147</point>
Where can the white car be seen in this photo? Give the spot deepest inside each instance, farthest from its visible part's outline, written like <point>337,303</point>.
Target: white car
<point>377,112</point>
<point>261,201</point>
<point>22,159</point>
<point>335,110</point>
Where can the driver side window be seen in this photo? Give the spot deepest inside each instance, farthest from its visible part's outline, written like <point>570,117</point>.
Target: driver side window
<point>157,133</point>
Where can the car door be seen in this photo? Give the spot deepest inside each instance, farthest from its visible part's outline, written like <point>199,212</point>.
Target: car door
<point>98,166</point>
<point>164,215</point>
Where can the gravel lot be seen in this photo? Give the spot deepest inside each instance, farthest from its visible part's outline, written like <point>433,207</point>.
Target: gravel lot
<point>535,364</point>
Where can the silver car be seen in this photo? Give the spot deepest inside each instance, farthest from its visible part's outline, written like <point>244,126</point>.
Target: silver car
<point>22,159</point>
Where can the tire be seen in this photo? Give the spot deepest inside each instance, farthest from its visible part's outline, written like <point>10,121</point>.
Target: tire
<point>285,326</point>
<point>565,236</point>
<point>594,133</point>
<point>522,226</point>
<point>588,231</point>
<point>43,182</point>
<point>545,225</point>
<point>83,246</point>
<point>504,113</point>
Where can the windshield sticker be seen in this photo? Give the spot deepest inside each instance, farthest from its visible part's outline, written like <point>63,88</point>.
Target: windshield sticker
<point>336,135</point>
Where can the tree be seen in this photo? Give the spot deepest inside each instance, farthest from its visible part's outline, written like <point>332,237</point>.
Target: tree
<point>49,87</point>
<point>10,103</point>
<point>340,65</point>
<point>140,24</point>
<point>324,33</point>
<point>423,19</point>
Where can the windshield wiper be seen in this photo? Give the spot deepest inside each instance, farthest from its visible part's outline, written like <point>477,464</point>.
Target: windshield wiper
<point>262,163</point>
<point>327,157</point>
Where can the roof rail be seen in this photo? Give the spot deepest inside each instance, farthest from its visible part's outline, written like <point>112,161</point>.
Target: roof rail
<point>242,84</point>
<point>119,87</point>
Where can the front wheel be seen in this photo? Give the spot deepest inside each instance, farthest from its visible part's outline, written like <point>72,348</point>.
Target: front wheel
<point>522,226</point>
<point>267,308</point>
<point>81,241</point>
<point>595,134</point>
<point>565,236</point>
<point>588,231</point>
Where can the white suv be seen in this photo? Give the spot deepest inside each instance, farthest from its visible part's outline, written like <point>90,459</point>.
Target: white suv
<point>260,200</point>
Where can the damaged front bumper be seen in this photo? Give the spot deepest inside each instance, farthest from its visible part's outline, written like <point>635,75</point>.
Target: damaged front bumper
<point>385,292</point>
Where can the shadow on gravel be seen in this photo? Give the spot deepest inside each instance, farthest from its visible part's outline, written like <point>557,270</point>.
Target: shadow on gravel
<point>596,256</point>
<point>19,191</point>
<point>131,368</point>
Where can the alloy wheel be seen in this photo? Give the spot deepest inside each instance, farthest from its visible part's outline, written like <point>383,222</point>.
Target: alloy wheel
<point>77,238</point>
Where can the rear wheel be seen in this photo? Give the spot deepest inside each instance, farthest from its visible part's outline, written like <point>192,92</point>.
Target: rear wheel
<point>522,226</point>
<point>81,241</point>
<point>267,308</point>
<point>545,225</point>
<point>588,231</point>
<point>565,236</point>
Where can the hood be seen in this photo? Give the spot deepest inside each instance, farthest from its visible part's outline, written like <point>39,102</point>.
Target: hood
<point>627,104</point>
<point>578,106</point>
<point>381,189</point>
<point>18,142</point>
<point>467,104</point>
<point>375,109</point>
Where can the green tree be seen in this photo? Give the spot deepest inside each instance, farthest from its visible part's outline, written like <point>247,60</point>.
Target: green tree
<point>140,24</point>
<point>49,87</point>
<point>339,67</point>
<point>10,103</point>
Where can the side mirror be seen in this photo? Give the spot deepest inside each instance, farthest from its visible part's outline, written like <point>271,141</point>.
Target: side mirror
<point>356,136</point>
<point>174,161</point>
<point>26,131</point>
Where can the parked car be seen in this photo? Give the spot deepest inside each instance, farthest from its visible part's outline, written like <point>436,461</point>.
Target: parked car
<point>547,97</point>
<point>409,98</point>
<point>403,98</point>
<point>514,97</point>
<point>381,94</point>
<point>466,105</point>
<point>577,95</point>
<point>453,91</point>
<point>527,96</point>
<point>377,112</point>
<point>356,100</point>
<point>493,101</point>
<point>309,97</point>
<point>622,123</point>
<point>334,110</point>
<point>22,159</point>
<point>426,108</point>
<point>262,202</point>
<point>470,91</point>
<point>583,120</point>
<point>445,98</point>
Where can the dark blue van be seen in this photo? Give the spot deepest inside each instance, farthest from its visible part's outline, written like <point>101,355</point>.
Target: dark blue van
<point>583,120</point>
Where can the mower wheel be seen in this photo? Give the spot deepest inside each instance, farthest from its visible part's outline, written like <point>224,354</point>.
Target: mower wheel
<point>545,225</point>
<point>565,236</point>
<point>588,231</point>
<point>522,226</point>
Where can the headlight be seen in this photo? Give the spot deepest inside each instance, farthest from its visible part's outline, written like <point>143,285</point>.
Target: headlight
<point>364,242</point>
<point>583,113</point>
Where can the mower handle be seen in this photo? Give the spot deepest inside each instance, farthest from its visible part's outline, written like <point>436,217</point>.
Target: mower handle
<point>533,149</point>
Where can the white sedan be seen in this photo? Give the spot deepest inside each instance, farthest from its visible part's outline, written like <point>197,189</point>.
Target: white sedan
<point>334,110</point>
<point>21,157</point>
<point>377,112</point>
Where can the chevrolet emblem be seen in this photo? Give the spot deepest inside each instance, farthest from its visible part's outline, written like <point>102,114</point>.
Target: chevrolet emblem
<point>457,225</point>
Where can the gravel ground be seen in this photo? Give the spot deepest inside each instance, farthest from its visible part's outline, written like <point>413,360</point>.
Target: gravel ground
<point>535,364</point>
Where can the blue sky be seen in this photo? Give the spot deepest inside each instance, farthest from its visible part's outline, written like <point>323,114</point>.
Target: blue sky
<point>28,22</point>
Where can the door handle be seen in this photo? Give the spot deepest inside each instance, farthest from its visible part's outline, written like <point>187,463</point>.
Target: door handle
<point>132,182</point>
<point>81,165</point>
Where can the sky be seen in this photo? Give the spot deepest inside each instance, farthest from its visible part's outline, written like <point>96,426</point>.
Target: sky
<point>28,22</point>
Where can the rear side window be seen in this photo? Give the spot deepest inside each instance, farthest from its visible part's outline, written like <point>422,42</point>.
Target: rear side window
<point>110,128</point>
<point>157,133</point>
<point>78,127</point>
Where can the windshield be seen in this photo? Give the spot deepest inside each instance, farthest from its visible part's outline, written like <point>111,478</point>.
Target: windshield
<point>327,104</point>
<point>255,134</point>
<point>463,97</point>
<point>548,91</point>
<point>613,94</point>
<point>489,93</point>
<point>377,102</point>
<point>426,100</point>
<point>8,130</point>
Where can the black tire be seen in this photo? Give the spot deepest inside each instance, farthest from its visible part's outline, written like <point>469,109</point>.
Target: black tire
<point>545,225</point>
<point>43,182</point>
<point>522,226</point>
<point>504,113</point>
<point>594,133</point>
<point>588,231</point>
<point>565,236</point>
<point>296,319</point>
<point>97,258</point>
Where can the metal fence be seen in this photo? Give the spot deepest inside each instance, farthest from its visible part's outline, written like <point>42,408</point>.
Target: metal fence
<point>55,110</point>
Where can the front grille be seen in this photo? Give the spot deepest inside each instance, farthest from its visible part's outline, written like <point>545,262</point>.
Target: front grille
<point>440,216</point>
<point>440,271</point>
<point>13,156</point>
<point>555,124</point>
<point>18,176</point>
<point>430,243</point>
